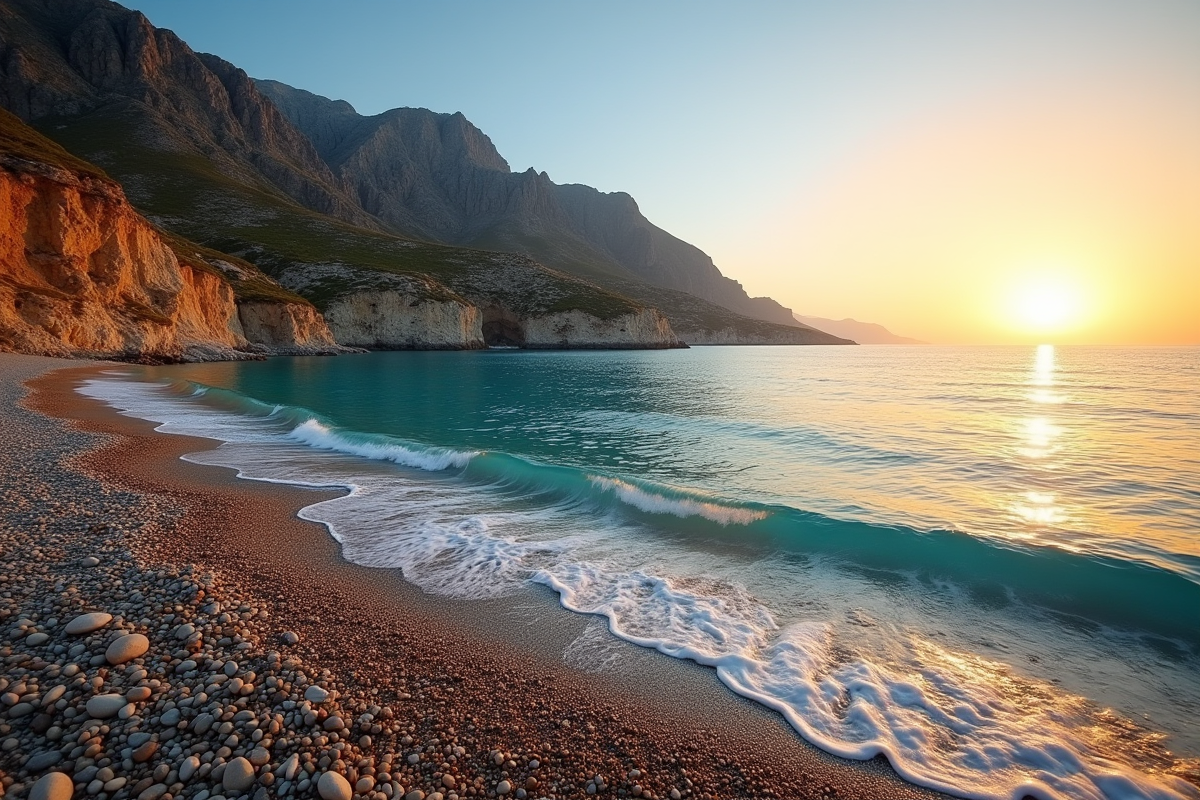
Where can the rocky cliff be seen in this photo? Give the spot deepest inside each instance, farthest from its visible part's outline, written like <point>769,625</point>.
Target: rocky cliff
<point>497,300</point>
<point>729,336</point>
<point>439,177</point>
<point>83,274</point>
<point>390,320</point>
<point>644,328</point>
<point>208,156</point>
<point>64,58</point>
<point>286,329</point>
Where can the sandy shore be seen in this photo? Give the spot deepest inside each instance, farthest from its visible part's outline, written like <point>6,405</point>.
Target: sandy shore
<point>403,694</point>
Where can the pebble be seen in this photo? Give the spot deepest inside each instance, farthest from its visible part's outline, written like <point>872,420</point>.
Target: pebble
<point>51,697</point>
<point>86,623</point>
<point>289,638</point>
<point>103,706</point>
<point>332,786</point>
<point>188,768</point>
<point>503,787</point>
<point>315,694</point>
<point>90,561</point>
<point>52,786</point>
<point>127,648</point>
<point>239,775</point>
<point>153,792</point>
<point>35,639</point>
<point>145,752</point>
<point>41,761</point>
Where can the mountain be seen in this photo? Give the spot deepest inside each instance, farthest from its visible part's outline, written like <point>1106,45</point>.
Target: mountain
<point>438,177</point>
<point>861,332</point>
<point>205,155</point>
<point>64,58</point>
<point>83,274</point>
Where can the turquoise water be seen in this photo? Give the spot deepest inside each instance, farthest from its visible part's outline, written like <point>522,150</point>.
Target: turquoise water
<point>983,563</point>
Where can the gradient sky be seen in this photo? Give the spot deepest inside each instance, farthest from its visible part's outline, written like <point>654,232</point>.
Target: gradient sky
<point>958,171</point>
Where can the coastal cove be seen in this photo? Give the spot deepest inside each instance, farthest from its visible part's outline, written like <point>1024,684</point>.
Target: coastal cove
<point>475,485</point>
<point>398,403</point>
<point>487,675</point>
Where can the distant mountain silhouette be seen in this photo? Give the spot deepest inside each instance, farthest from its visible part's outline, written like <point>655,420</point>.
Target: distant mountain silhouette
<point>861,332</point>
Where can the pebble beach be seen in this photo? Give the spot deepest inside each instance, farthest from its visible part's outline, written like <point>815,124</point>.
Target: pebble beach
<point>168,631</point>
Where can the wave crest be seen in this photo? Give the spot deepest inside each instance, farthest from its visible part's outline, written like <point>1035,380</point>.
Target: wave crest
<point>378,448</point>
<point>653,503</point>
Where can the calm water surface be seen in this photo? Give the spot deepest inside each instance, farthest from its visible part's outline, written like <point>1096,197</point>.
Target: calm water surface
<point>983,563</point>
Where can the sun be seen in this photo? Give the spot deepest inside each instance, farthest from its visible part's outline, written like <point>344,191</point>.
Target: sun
<point>1043,304</point>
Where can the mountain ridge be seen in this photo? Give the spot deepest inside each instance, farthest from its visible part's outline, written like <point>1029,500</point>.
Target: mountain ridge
<point>438,176</point>
<point>205,155</point>
<point>861,332</point>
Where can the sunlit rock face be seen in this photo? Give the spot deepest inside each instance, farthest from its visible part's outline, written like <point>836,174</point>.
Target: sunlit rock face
<point>81,273</point>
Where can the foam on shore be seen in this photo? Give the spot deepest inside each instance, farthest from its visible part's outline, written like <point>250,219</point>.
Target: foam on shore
<point>847,680</point>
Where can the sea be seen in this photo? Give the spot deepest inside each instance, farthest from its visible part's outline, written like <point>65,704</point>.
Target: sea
<point>982,563</point>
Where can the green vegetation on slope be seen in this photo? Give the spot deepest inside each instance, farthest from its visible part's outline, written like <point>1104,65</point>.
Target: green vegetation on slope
<point>22,141</point>
<point>190,195</point>
<point>248,282</point>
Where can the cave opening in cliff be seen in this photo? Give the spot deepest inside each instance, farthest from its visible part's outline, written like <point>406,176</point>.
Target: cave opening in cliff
<point>502,328</point>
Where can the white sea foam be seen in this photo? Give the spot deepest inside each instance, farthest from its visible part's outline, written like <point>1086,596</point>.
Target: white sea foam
<point>945,718</point>
<point>314,434</point>
<point>654,503</point>
<point>957,723</point>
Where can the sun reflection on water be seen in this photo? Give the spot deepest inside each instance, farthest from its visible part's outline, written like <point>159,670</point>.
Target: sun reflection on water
<point>1039,440</point>
<point>1043,376</point>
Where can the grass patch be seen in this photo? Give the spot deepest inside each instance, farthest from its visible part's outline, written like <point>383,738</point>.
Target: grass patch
<point>22,141</point>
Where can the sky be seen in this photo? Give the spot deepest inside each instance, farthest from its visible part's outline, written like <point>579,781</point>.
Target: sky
<point>961,171</point>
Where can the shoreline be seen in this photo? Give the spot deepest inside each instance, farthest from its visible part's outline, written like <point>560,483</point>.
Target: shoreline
<point>483,676</point>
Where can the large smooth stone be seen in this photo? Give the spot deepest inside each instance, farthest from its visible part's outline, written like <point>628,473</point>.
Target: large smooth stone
<point>315,694</point>
<point>332,786</point>
<point>103,706</point>
<point>86,623</point>
<point>239,776</point>
<point>127,648</point>
<point>52,786</point>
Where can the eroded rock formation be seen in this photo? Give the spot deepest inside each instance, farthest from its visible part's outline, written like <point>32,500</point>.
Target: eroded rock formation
<point>82,274</point>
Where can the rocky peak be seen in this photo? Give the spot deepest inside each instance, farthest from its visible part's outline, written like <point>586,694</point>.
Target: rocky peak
<point>421,136</point>
<point>438,176</point>
<point>66,57</point>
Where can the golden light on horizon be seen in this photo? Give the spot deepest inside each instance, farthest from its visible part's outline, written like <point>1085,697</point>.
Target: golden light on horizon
<point>1042,303</point>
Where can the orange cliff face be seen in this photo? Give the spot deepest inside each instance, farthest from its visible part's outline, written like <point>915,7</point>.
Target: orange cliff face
<point>83,274</point>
